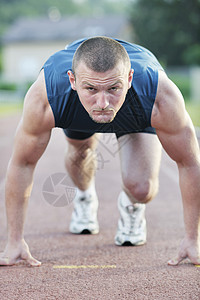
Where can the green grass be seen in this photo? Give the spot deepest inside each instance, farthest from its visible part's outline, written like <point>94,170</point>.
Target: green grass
<point>7,109</point>
<point>194,112</point>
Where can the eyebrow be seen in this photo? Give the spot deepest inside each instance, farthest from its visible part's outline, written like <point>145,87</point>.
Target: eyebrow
<point>87,83</point>
<point>116,82</point>
<point>91,85</point>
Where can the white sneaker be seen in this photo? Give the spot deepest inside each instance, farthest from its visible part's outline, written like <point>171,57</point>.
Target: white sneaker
<point>84,216</point>
<point>131,225</point>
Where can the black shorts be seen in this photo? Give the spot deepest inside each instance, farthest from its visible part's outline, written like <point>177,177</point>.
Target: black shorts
<point>79,135</point>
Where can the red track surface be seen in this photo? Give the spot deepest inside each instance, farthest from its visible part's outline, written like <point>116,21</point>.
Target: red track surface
<point>141,272</point>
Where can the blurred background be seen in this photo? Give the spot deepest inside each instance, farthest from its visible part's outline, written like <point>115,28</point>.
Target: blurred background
<point>32,30</point>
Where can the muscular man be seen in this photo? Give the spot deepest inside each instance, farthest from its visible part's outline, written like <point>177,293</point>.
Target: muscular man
<point>106,86</point>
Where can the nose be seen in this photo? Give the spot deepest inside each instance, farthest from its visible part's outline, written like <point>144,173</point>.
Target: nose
<point>102,100</point>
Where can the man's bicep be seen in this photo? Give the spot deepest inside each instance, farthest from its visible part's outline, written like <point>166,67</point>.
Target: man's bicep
<point>34,130</point>
<point>173,124</point>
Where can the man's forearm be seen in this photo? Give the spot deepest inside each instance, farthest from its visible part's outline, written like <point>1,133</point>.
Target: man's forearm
<point>190,189</point>
<point>18,189</point>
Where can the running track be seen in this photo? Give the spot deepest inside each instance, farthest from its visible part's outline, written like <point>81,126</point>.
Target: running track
<point>101,269</point>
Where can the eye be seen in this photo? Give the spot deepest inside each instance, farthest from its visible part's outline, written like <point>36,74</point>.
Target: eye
<point>113,89</point>
<point>90,88</point>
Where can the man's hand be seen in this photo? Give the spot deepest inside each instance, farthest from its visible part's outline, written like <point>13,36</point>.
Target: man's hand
<point>188,249</point>
<point>18,252</point>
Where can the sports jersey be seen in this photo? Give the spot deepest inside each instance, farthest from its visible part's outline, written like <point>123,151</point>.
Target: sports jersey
<point>135,113</point>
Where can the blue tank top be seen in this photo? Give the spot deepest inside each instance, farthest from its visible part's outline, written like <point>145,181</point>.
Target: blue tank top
<point>135,113</point>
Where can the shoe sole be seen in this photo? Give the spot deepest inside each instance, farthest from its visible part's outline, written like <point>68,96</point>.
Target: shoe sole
<point>129,244</point>
<point>85,231</point>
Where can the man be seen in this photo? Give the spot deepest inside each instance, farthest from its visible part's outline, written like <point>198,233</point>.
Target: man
<point>111,86</point>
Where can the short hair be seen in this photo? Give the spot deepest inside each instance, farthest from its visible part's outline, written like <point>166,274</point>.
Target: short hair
<point>100,54</point>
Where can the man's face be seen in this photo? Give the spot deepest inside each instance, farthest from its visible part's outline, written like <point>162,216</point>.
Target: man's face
<point>101,94</point>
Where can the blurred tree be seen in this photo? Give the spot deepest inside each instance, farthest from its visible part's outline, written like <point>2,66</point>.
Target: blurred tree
<point>169,28</point>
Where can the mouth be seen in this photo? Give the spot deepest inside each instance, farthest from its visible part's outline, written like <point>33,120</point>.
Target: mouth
<point>102,112</point>
<point>103,116</point>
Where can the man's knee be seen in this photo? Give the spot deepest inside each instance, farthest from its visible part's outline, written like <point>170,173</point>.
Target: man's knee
<point>141,191</point>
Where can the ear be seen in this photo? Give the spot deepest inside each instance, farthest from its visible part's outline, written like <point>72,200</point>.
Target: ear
<point>130,78</point>
<point>72,79</point>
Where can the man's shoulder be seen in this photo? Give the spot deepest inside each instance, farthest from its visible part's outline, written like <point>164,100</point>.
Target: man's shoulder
<point>141,58</point>
<point>55,71</point>
<point>59,61</point>
<point>64,56</point>
<point>37,113</point>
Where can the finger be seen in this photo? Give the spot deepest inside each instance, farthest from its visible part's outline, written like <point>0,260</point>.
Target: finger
<point>26,255</point>
<point>9,261</point>
<point>34,262</point>
<point>31,260</point>
<point>3,259</point>
<point>6,261</point>
<point>175,261</point>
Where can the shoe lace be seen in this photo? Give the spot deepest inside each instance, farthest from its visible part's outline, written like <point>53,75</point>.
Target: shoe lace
<point>85,209</point>
<point>131,221</point>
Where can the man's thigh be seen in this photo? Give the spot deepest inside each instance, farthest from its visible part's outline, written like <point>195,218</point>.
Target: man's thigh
<point>80,141</point>
<point>140,155</point>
